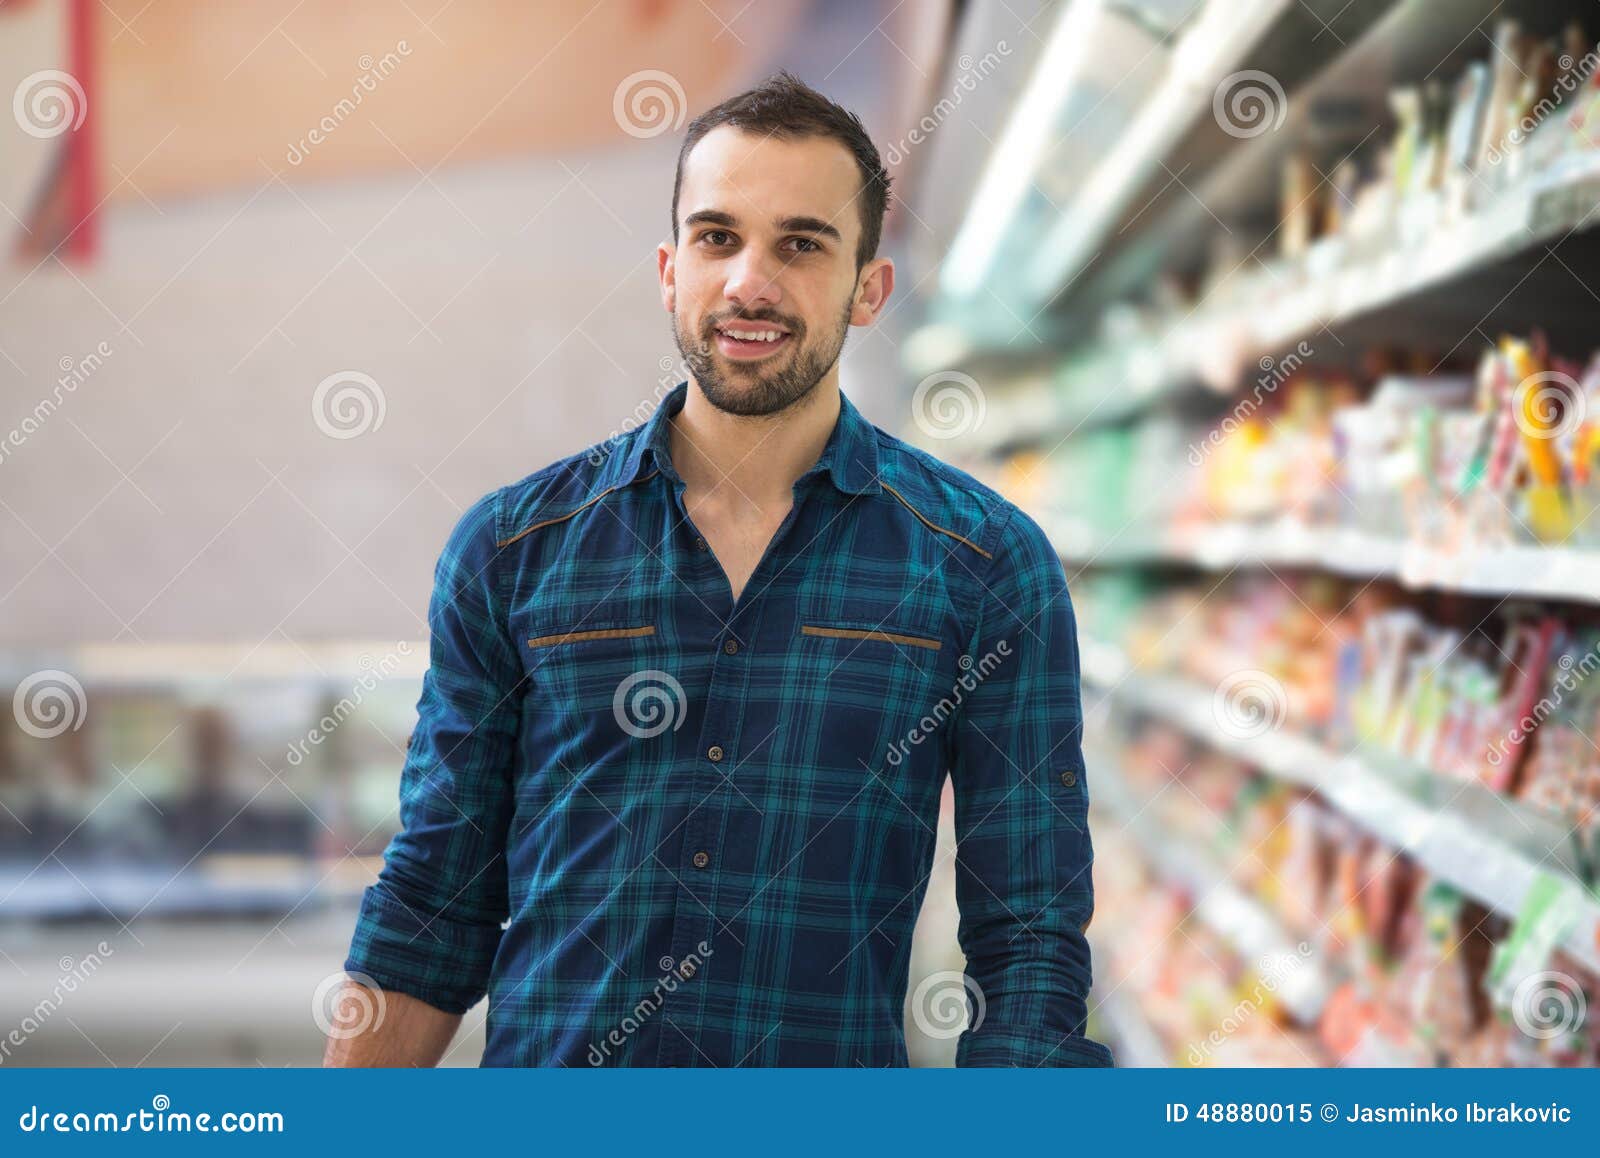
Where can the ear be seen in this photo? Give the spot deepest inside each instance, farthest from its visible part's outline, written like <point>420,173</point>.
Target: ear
<point>666,258</point>
<point>873,288</point>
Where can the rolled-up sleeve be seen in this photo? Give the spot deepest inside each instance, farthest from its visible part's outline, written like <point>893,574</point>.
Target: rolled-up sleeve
<point>430,925</point>
<point>1023,853</point>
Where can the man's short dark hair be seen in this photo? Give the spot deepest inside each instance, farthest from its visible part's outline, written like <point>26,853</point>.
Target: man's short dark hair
<point>786,107</point>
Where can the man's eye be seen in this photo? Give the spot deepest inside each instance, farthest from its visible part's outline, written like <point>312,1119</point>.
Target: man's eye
<point>806,241</point>
<point>711,235</point>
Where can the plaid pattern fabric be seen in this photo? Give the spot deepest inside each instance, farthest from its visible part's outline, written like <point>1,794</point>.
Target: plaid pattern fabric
<point>657,827</point>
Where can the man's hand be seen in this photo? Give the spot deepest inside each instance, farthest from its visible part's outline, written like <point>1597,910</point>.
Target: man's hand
<point>379,1028</point>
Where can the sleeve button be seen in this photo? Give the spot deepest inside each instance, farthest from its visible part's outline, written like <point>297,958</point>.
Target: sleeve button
<point>1069,778</point>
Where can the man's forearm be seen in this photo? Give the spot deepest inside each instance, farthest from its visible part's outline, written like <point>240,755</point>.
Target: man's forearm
<point>409,1032</point>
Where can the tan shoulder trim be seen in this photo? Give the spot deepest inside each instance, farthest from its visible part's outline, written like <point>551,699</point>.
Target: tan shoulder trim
<point>563,518</point>
<point>935,526</point>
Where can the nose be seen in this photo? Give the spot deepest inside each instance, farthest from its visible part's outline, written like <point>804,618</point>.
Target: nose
<point>753,279</point>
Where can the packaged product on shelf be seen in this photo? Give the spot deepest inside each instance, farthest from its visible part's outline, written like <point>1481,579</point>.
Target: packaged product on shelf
<point>1388,450</point>
<point>1434,985</point>
<point>1463,132</point>
<point>1501,112</point>
<point>1450,702</point>
<point>1301,184</point>
<point>1561,774</point>
<point>1584,454</point>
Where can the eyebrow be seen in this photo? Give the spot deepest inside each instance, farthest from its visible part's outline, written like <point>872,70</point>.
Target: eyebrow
<point>800,224</point>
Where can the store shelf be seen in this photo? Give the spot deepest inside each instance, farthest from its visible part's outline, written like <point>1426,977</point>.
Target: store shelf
<point>1483,864</point>
<point>1220,904</point>
<point>1531,571</point>
<point>1271,310</point>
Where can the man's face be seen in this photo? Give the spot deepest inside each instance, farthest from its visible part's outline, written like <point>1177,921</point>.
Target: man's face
<point>767,237</point>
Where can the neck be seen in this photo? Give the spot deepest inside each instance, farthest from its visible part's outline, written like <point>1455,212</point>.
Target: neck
<point>752,460</point>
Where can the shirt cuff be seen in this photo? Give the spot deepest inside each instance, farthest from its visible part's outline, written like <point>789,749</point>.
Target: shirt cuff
<point>1028,1050</point>
<point>440,961</point>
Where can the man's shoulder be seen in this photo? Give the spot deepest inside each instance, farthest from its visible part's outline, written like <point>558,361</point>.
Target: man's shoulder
<point>560,488</point>
<point>947,495</point>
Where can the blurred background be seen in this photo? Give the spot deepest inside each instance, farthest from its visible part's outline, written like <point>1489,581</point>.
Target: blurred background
<point>1278,316</point>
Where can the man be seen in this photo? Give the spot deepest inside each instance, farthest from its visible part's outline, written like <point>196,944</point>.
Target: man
<point>694,693</point>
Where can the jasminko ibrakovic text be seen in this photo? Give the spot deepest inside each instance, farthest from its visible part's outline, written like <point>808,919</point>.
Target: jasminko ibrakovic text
<point>1358,1114</point>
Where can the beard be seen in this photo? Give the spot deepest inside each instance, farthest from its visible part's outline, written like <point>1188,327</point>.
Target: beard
<point>753,389</point>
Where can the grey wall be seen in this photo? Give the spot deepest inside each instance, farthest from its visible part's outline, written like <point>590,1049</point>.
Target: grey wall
<point>183,490</point>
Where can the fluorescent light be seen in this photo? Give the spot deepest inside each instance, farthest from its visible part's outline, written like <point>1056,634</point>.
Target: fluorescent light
<point>935,346</point>
<point>1011,166</point>
<point>1215,43</point>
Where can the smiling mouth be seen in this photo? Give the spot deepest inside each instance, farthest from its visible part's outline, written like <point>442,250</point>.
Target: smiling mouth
<point>751,341</point>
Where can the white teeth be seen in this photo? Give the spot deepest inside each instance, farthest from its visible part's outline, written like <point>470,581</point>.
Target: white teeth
<point>754,335</point>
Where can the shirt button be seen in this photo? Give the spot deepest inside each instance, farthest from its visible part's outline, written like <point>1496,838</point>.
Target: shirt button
<point>701,859</point>
<point>699,543</point>
<point>730,647</point>
<point>1069,778</point>
<point>686,970</point>
<point>715,753</point>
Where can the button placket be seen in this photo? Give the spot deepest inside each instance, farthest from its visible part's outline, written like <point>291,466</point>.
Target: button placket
<point>693,919</point>
<point>719,739</point>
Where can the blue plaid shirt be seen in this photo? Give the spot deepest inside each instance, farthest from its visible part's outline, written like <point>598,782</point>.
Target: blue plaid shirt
<point>659,827</point>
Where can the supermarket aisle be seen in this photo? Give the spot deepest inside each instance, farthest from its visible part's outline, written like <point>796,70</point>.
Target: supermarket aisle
<point>1315,422</point>
<point>1280,318</point>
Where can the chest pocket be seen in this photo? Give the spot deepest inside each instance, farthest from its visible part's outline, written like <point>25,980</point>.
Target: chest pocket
<point>605,676</point>
<point>890,660</point>
<point>868,678</point>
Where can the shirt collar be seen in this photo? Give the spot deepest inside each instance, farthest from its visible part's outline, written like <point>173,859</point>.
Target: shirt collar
<point>850,458</point>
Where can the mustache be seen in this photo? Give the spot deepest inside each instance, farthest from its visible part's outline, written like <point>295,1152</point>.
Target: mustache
<point>792,327</point>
